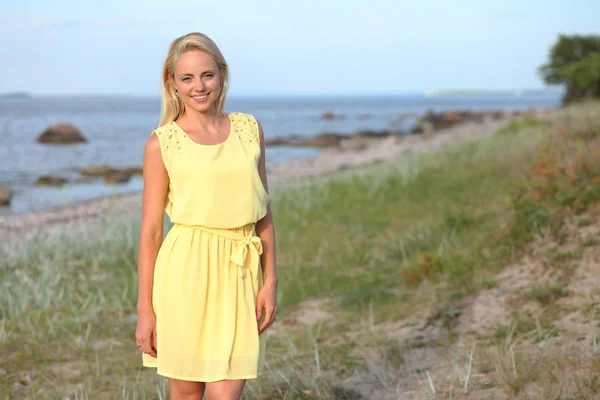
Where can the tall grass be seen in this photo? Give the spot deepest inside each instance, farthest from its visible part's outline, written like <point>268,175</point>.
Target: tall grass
<point>379,244</point>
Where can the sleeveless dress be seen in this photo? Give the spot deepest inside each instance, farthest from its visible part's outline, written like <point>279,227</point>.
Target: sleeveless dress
<point>208,269</point>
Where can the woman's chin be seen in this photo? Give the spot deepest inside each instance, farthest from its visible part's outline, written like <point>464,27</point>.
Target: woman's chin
<point>201,107</point>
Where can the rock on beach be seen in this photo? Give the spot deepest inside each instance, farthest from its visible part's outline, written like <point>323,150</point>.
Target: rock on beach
<point>117,177</point>
<point>5,195</point>
<point>50,180</point>
<point>330,116</point>
<point>96,170</point>
<point>61,134</point>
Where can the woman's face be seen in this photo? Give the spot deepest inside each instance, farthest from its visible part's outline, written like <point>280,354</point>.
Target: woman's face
<point>197,79</point>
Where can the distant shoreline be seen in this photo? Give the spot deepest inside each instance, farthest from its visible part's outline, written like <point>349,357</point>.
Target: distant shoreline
<point>422,93</point>
<point>16,96</point>
<point>510,92</point>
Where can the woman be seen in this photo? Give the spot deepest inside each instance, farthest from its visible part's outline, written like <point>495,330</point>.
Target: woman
<point>208,292</point>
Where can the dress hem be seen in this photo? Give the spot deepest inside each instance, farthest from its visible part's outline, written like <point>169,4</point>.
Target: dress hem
<point>207,380</point>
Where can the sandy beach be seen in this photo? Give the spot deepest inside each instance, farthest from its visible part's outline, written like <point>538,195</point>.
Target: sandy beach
<point>17,230</point>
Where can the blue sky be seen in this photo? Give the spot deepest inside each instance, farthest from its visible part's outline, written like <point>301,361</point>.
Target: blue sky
<point>284,48</point>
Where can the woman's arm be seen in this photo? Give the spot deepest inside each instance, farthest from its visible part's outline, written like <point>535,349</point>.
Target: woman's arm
<point>267,296</point>
<point>264,228</point>
<point>156,183</point>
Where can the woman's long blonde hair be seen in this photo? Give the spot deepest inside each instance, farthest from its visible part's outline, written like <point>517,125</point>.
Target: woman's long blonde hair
<point>172,107</point>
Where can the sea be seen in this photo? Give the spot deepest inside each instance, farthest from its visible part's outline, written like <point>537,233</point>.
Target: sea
<point>117,129</point>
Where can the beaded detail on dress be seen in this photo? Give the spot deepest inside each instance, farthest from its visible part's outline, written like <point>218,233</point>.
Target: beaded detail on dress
<point>247,136</point>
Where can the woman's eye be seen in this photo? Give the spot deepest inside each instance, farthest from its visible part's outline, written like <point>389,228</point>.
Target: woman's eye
<point>208,76</point>
<point>185,79</point>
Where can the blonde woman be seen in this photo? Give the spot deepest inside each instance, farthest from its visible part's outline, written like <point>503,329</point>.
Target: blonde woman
<point>207,292</point>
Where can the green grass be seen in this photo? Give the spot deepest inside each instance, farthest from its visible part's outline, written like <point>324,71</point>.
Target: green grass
<point>545,294</point>
<point>526,125</point>
<point>379,243</point>
<point>379,225</point>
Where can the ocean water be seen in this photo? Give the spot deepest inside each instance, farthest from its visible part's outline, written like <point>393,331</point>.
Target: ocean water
<point>118,127</point>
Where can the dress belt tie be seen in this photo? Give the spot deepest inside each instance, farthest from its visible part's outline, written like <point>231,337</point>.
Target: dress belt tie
<point>251,240</point>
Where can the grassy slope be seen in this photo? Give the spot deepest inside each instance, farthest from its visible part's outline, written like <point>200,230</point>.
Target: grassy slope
<point>366,248</point>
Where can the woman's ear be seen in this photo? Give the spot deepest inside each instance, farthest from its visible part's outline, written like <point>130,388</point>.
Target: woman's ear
<point>171,83</point>
<point>173,89</point>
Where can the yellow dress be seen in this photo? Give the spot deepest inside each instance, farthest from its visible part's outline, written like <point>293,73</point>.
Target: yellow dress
<point>208,270</point>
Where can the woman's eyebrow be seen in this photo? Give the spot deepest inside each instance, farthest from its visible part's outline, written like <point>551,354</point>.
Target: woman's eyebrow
<point>212,71</point>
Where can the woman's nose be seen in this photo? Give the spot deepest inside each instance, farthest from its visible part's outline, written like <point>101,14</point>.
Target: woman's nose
<point>201,86</point>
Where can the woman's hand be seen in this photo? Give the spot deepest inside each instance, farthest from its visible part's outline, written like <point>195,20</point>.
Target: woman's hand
<point>267,298</point>
<point>145,334</point>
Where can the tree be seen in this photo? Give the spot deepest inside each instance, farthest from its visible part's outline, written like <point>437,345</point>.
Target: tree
<point>575,63</point>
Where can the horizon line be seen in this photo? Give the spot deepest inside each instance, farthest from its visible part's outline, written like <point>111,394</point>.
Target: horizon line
<point>301,94</point>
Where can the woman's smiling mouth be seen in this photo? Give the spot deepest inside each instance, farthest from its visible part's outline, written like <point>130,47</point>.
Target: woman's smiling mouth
<point>200,98</point>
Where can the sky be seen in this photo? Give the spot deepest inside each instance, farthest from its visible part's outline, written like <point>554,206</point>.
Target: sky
<point>278,47</point>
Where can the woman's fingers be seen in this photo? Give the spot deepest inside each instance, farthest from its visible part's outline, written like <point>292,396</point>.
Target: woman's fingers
<point>263,326</point>
<point>149,342</point>
<point>273,316</point>
<point>154,340</point>
<point>148,348</point>
<point>259,306</point>
<point>145,334</point>
<point>269,318</point>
